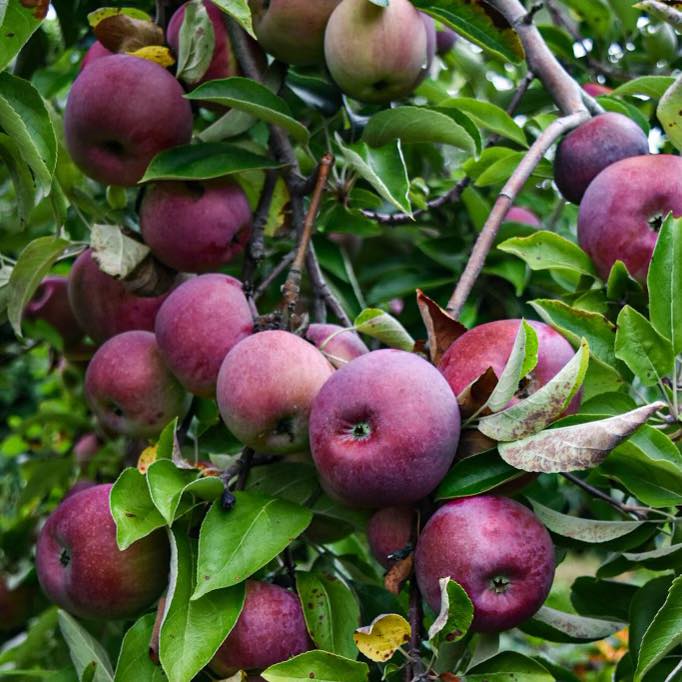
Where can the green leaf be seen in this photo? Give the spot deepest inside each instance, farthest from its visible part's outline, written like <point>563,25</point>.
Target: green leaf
<point>33,264</point>
<point>21,176</point>
<point>509,666</point>
<point>240,11</point>
<point>416,124</point>
<point>649,86</point>
<point>541,408</point>
<point>455,616</point>
<point>584,530</point>
<point>116,254</point>
<point>648,354</point>
<point>132,508</point>
<point>204,161</point>
<point>196,43</point>
<point>380,325</point>
<point>25,118</point>
<point>247,95</point>
<point>665,280</point>
<point>292,481</point>
<point>318,665</point>
<point>488,116</point>
<point>643,608</point>
<point>549,251</point>
<point>234,544</point>
<point>17,25</point>
<point>668,113</point>
<point>133,659</point>
<point>664,633</point>
<point>193,629</point>
<point>84,649</point>
<point>383,168</point>
<point>559,626</point>
<point>574,448</point>
<point>478,21</point>
<point>331,612</point>
<point>608,599</point>
<point>596,13</point>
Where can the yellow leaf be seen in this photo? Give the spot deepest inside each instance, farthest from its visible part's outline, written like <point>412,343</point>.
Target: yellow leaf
<point>380,640</point>
<point>105,12</point>
<point>155,53</point>
<point>146,459</point>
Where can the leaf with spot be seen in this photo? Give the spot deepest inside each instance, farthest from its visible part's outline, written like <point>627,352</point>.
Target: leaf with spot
<point>379,640</point>
<point>17,24</point>
<point>559,626</point>
<point>509,666</point>
<point>196,43</point>
<point>116,254</point>
<point>668,113</point>
<point>320,666</point>
<point>455,616</point>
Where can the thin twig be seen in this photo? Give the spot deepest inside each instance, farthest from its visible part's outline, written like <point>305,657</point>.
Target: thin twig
<point>595,492</point>
<point>273,274</point>
<point>415,666</point>
<point>322,288</point>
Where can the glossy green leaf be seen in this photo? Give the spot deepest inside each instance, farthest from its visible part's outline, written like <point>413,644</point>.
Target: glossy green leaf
<point>84,649</point>
<point>455,616</point>
<point>17,25</point>
<point>134,662</point>
<point>380,325</point>
<point>509,666</point>
<point>607,599</point>
<point>643,608</point>
<point>240,11</point>
<point>321,666</point>
<point>292,481</point>
<point>649,86</point>
<point>21,176</point>
<point>234,544</point>
<point>488,116</point>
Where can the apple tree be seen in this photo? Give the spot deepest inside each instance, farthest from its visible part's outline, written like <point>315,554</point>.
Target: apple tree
<point>341,340</point>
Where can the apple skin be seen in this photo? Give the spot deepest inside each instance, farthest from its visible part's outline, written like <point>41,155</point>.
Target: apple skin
<point>198,324</point>
<point>613,222</point>
<point>292,30</point>
<point>130,389</point>
<point>195,226</point>
<point>384,430</point>
<point>475,540</point>
<point>490,345</point>
<point>345,346</point>
<point>51,304</point>
<point>15,606</point>
<point>445,40</point>
<point>266,388</point>
<point>388,531</point>
<point>519,214</point>
<point>270,629</point>
<point>377,54</point>
<point>113,139</point>
<point>95,51</point>
<point>81,569</point>
<point>103,306</point>
<point>85,448</point>
<point>592,147</point>
<point>596,89</point>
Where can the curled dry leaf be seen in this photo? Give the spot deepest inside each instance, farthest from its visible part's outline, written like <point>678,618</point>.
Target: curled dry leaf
<point>123,33</point>
<point>383,637</point>
<point>473,442</point>
<point>398,574</point>
<point>117,254</point>
<point>442,329</point>
<point>476,395</point>
<point>155,53</point>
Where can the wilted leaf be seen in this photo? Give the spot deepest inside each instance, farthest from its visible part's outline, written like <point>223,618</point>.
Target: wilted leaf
<point>442,329</point>
<point>124,33</point>
<point>106,12</point>
<point>196,43</point>
<point>473,399</point>
<point>380,325</point>
<point>558,626</point>
<point>455,616</point>
<point>116,254</point>
<point>383,637</point>
<point>398,573</point>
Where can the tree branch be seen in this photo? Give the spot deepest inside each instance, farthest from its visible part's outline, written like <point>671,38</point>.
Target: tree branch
<point>595,492</point>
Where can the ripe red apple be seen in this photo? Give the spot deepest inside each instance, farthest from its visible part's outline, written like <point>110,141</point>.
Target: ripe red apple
<point>621,208</point>
<point>95,51</point>
<point>195,226</point>
<point>445,40</point>
<point>497,550</point>
<point>270,629</point>
<point>519,214</point>
<point>113,139</point>
<point>384,430</point>
<point>344,345</point>
<point>103,306</point>
<point>81,569</point>
<point>377,54</point>
<point>490,345</point>
<point>596,89</point>
<point>15,605</point>
<point>198,324</point>
<point>292,30</point>
<point>388,531</point>
<point>130,389</point>
<point>590,148</point>
<point>85,448</point>
<point>51,304</point>
<point>266,387</point>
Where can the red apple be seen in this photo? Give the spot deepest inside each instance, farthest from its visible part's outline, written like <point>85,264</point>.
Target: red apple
<point>519,214</point>
<point>388,531</point>
<point>337,343</point>
<point>95,51</point>
<point>596,89</point>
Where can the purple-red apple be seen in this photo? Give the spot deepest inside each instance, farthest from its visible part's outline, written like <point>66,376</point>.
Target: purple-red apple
<point>270,629</point>
<point>377,54</point>
<point>592,147</point>
<point>103,306</point>
<point>388,531</point>
<point>112,139</point>
<point>266,387</point>
<point>338,343</point>
<point>519,214</point>
<point>490,345</point>
<point>130,389</point>
<point>81,568</point>
<point>497,550</point>
<point>622,209</point>
<point>199,323</point>
<point>95,51</point>
<point>195,226</point>
<point>384,430</point>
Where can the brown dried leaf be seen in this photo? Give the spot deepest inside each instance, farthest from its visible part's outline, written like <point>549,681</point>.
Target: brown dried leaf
<point>122,33</point>
<point>443,330</point>
<point>151,278</point>
<point>476,395</point>
<point>398,574</point>
<point>40,7</point>
<point>473,442</point>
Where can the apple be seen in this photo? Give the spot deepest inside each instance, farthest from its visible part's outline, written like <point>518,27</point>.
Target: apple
<point>81,569</point>
<point>490,345</point>
<point>95,51</point>
<point>445,40</point>
<point>519,214</point>
<point>292,30</point>
<point>112,139</point>
<point>388,531</point>
<point>377,54</point>
<point>195,226</point>
<point>339,344</point>
<point>103,306</point>
<point>622,209</point>
<point>83,484</point>
<point>266,387</point>
<point>596,89</point>
<point>593,146</point>
<point>384,430</point>
<point>497,550</point>
<point>50,303</point>
<point>130,389</point>
<point>15,605</point>
<point>270,629</point>
<point>85,448</point>
<point>198,324</point>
